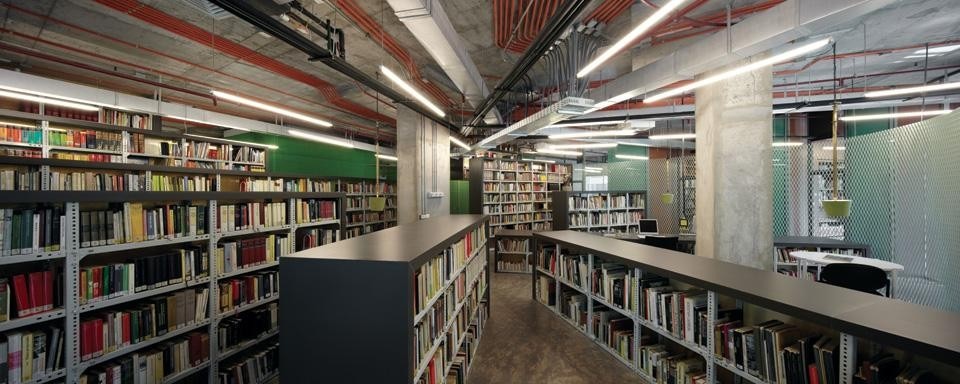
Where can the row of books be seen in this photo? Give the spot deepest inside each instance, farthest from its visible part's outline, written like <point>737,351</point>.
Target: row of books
<point>238,217</point>
<point>111,330</point>
<point>313,210</point>
<point>614,283</point>
<point>615,330</point>
<point>252,369</point>
<point>155,365</point>
<point>29,354</point>
<point>170,183</point>
<point>248,289</point>
<point>97,181</point>
<point>34,153</point>
<point>307,185</point>
<point>519,265</point>
<point>125,119</point>
<point>31,293</point>
<point>588,202</point>
<point>91,157</point>
<point>315,237</point>
<point>247,326</point>
<point>249,184</point>
<point>460,362</point>
<point>248,154</point>
<point>30,231</point>
<point>664,366</point>
<point>20,179</point>
<point>21,134</point>
<point>141,274</point>
<point>459,324</point>
<point>205,150</point>
<point>573,269</point>
<point>138,143</point>
<point>539,226</point>
<point>88,139</point>
<point>573,306</point>
<point>434,373</point>
<point>233,256</point>
<point>513,245</point>
<point>429,329</point>
<point>131,222</point>
<point>430,278</point>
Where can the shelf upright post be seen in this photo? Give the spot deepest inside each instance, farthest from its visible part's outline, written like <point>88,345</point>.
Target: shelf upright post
<point>44,138</point>
<point>72,294</point>
<point>637,330</point>
<point>212,295</point>
<point>45,179</point>
<point>709,356</point>
<point>848,355</point>
<point>587,288</point>
<point>556,279</point>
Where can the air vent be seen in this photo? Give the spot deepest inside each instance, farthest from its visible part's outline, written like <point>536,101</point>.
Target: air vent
<point>209,8</point>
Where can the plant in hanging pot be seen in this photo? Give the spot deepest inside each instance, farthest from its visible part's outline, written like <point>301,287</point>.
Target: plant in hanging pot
<point>666,198</point>
<point>836,207</point>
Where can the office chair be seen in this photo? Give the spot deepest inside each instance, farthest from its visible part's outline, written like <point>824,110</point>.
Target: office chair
<point>859,277</point>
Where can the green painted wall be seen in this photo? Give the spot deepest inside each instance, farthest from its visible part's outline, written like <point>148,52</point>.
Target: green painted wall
<point>459,197</point>
<point>627,175</point>
<point>318,159</point>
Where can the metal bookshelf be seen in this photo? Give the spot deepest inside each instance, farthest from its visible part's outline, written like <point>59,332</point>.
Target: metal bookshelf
<point>507,261</point>
<point>858,319</point>
<point>500,188</point>
<point>68,317</point>
<point>377,319</point>
<point>565,209</point>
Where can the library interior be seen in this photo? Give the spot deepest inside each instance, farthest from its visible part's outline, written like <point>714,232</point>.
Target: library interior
<point>480,192</point>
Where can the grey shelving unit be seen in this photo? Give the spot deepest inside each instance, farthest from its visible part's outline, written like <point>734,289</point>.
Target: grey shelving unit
<point>634,203</point>
<point>513,257</point>
<point>859,318</point>
<point>500,187</point>
<point>354,315</point>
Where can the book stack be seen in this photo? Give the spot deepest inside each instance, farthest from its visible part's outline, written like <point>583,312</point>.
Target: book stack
<point>667,367</point>
<point>614,283</point>
<point>170,183</point>
<point>614,330</point>
<point>31,293</point>
<point>307,185</point>
<point>125,119</point>
<point>248,154</point>
<point>131,222</point>
<point>573,306</point>
<point>96,181</point>
<point>29,231</point>
<point>428,329</point>
<point>574,269</point>
<point>205,150</point>
<point>238,217</point>
<point>87,139</point>
<point>249,184</point>
<point>248,289</point>
<point>546,291</point>
<point>313,210</point>
<point>92,157</point>
<point>21,133</point>
<point>102,282</point>
<point>252,369</point>
<point>234,256</point>
<point>247,326</point>
<point>20,179</point>
<point>29,354</point>
<point>154,365</point>
<point>154,147</point>
<point>315,237</point>
<point>112,330</point>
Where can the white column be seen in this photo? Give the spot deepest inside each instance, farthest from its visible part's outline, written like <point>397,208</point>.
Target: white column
<point>423,147</point>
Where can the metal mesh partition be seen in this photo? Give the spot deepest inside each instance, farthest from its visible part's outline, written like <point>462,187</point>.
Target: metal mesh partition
<point>666,176</point>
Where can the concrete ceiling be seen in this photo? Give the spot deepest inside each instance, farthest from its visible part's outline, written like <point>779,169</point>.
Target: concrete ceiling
<point>89,32</point>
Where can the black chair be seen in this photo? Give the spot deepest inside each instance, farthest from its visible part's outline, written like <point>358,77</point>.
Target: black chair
<point>864,278</point>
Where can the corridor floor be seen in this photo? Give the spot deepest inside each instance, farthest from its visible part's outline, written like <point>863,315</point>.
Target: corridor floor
<point>524,342</point>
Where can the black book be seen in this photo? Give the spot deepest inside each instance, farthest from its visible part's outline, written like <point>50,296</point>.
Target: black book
<point>55,245</point>
<point>806,354</point>
<point>760,348</point>
<point>109,228</point>
<point>46,225</point>
<point>84,229</point>
<point>102,227</point>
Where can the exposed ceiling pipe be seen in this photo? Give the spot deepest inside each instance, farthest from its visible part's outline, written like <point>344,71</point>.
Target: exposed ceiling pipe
<point>882,51</point>
<point>199,35</point>
<point>558,23</point>
<point>250,13</point>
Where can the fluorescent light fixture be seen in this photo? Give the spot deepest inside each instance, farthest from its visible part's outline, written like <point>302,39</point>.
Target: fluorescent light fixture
<point>459,143</point>
<point>270,108</point>
<point>46,100</point>
<point>269,146</point>
<point>882,116</point>
<point>558,152</point>
<point>921,56</point>
<point>674,136</point>
<point>541,160</point>
<point>10,124</point>
<point>633,144</point>
<point>583,145</point>
<point>941,49</point>
<point>909,90</point>
<point>181,118</point>
<point>587,123</point>
<point>410,90</point>
<point>591,170</point>
<point>627,39</point>
<point>319,138</point>
<point>618,132</point>
<point>740,70</point>
<point>632,157</point>
<point>787,143</point>
<point>830,148</point>
<point>386,157</point>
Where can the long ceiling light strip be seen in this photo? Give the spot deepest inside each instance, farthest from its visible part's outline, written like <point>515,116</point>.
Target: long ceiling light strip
<point>410,90</point>
<point>583,146</point>
<point>674,136</point>
<point>787,143</point>
<point>459,143</point>
<point>386,157</point>
<point>559,152</point>
<point>270,108</point>
<point>740,70</point>
<point>268,146</point>
<point>909,90</point>
<point>181,118</point>
<point>540,160</point>
<point>319,138</point>
<point>618,132</point>
<point>882,116</point>
<point>632,157</point>
<point>627,39</point>
<point>633,144</point>
<point>47,100</point>
<point>592,171</point>
<point>575,123</point>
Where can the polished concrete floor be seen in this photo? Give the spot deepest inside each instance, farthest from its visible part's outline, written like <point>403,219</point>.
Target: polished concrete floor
<point>524,342</point>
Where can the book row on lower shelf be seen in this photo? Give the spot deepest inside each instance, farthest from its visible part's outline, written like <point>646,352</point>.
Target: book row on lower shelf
<point>155,365</point>
<point>604,219</point>
<point>520,218</point>
<point>666,330</point>
<point>31,354</point>
<point>434,276</point>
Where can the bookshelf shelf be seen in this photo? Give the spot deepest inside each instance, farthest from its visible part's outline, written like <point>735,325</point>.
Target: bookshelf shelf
<point>19,144</point>
<point>83,365</point>
<point>40,256</point>
<point>47,377</point>
<point>186,373</point>
<point>591,206</point>
<point>223,355</point>
<point>247,270</point>
<point>317,223</point>
<point>87,150</point>
<point>247,307</point>
<point>858,318</point>
<point>141,244</point>
<point>31,320</point>
<point>100,304</point>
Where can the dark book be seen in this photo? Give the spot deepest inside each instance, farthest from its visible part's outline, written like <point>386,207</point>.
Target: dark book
<point>84,229</point>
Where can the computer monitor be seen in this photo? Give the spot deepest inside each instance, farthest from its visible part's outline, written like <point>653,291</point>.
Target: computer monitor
<point>648,226</point>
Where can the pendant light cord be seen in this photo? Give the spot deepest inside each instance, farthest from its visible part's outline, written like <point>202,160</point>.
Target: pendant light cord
<point>836,108</point>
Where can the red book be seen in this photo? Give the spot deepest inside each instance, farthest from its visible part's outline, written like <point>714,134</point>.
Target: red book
<point>23,299</point>
<point>195,356</point>
<point>235,289</point>
<point>36,291</point>
<point>85,340</point>
<point>47,290</point>
<point>812,374</point>
<point>97,278</point>
<point>98,337</point>
<point>126,328</point>
<point>262,247</point>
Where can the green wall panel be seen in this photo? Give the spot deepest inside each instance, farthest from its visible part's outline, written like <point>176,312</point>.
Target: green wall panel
<point>627,175</point>
<point>318,159</point>
<point>459,197</point>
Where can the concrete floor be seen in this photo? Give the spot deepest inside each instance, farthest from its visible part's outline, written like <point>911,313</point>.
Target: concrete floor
<point>524,342</point>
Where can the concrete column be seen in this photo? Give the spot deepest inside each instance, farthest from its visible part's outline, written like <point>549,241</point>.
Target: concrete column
<point>423,147</point>
<point>734,200</point>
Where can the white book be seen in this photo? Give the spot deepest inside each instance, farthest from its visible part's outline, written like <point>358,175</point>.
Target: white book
<point>36,233</point>
<point>14,357</point>
<point>127,225</point>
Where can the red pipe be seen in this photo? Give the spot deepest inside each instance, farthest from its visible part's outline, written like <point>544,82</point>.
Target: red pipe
<point>163,20</point>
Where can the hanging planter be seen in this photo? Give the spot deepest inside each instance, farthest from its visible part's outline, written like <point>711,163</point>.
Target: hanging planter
<point>836,207</point>
<point>666,198</point>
